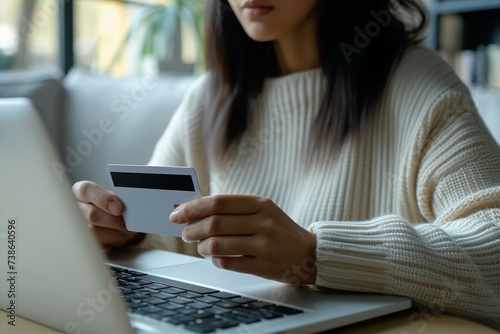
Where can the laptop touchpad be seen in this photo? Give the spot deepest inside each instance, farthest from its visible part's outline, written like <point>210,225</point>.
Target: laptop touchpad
<point>204,272</point>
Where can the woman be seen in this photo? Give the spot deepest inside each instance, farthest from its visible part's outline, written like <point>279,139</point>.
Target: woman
<point>336,153</point>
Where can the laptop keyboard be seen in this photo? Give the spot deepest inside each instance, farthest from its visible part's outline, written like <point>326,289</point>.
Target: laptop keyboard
<point>193,307</point>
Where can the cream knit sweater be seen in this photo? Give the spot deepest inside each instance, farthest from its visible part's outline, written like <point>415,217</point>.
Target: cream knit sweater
<point>411,208</point>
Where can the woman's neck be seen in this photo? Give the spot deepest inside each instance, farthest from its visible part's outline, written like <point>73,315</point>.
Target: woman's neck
<point>298,50</point>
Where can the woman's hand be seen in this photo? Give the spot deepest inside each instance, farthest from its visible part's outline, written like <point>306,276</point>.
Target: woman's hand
<point>103,210</point>
<point>249,234</point>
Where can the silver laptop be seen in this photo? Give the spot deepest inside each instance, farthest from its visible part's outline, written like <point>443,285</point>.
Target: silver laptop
<point>57,275</point>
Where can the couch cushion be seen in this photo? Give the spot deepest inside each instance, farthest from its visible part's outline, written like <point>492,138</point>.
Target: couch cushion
<point>108,120</point>
<point>42,86</point>
<point>488,104</point>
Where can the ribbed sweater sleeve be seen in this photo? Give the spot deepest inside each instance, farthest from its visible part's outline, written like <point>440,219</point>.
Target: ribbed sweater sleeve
<point>449,259</point>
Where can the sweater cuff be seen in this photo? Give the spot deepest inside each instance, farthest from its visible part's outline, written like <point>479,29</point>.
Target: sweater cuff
<point>356,256</point>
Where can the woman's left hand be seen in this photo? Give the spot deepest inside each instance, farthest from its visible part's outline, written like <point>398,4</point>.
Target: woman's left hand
<point>249,234</point>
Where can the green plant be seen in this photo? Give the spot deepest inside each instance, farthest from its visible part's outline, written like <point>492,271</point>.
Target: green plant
<point>156,28</point>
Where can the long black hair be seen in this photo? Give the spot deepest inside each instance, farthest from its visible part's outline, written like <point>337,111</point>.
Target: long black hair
<point>359,42</point>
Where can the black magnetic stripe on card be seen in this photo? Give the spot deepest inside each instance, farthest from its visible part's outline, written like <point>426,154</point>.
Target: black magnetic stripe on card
<point>153,181</point>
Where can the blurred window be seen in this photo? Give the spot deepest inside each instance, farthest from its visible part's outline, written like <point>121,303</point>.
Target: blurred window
<point>118,37</point>
<point>28,34</point>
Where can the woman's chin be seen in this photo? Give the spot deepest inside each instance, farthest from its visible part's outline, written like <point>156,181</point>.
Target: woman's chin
<point>260,35</point>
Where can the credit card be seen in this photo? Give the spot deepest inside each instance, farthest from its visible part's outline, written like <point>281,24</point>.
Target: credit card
<point>151,193</point>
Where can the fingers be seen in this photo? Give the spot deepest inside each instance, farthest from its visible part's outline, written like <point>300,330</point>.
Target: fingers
<point>111,238</point>
<point>220,225</point>
<point>242,264</point>
<point>233,253</point>
<point>92,193</point>
<point>103,210</point>
<point>227,246</point>
<point>218,205</point>
<point>100,218</point>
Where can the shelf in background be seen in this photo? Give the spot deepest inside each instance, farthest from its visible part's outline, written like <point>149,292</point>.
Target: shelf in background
<point>486,31</point>
<point>464,6</point>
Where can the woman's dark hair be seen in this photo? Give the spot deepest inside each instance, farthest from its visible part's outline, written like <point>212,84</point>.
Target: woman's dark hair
<point>356,68</point>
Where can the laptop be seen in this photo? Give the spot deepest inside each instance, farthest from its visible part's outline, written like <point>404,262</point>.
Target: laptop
<point>57,275</point>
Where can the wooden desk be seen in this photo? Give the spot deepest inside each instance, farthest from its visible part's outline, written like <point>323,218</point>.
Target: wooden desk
<point>407,322</point>
<point>392,324</point>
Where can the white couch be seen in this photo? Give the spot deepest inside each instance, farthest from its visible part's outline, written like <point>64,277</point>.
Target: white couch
<point>95,119</point>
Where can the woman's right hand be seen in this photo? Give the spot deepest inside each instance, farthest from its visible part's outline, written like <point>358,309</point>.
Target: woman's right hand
<point>103,211</point>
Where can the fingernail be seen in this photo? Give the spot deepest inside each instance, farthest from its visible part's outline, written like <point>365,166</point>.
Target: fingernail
<point>174,216</point>
<point>113,208</point>
<point>186,240</point>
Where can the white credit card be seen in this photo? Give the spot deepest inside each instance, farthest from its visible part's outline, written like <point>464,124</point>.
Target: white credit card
<point>151,193</point>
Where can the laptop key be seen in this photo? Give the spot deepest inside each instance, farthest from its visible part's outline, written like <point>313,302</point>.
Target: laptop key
<point>190,294</point>
<point>124,291</point>
<point>154,301</point>
<point>223,295</point>
<point>215,322</point>
<point>201,315</point>
<point>134,307</point>
<point>167,313</point>
<point>148,310</point>
<point>217,310</point>
<point>240,318</point>
<point>226,304</point>
<point>243,300</point>
<point>181,300</point>
<point>180,320</point>
<point>122,282</point>
<point>137,296</point>
<point>200,306</point>
<point>187,311</point>
<point>171,306</point>
<point>133,301</point>
<point>139,281</point>
<point>115,269</point>
<point>132,287</point>
<point>147,291</point>
<point>164,295</point>
<point>261,314</point>
<point>259,304</point>
<point>225,323</point>
<point>208,299</point>
<point>157,286</point>
<point>283,309</point>
<point>173,290</point>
